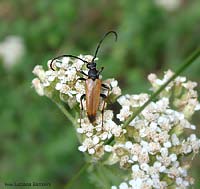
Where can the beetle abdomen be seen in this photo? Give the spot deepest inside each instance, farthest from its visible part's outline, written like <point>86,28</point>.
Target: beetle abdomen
<point>93,90</point>
<point>92,118</point>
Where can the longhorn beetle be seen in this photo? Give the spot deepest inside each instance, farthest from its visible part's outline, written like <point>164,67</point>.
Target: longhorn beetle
<point>92,84</point>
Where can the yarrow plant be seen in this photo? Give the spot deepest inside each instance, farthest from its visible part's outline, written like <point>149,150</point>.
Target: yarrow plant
<point>153,148</point>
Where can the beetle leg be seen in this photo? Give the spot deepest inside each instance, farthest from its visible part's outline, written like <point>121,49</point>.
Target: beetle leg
<point>100,71</point>
<point>81,78</point>
<point>103,96</point>
<point>104,103</point>
<point>82,72</point>
<point>81,101</point>
<point>105,86</point>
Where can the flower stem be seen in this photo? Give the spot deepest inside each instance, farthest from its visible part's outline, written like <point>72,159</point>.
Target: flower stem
<point>76,176</point>
<point>66,113</point>
<point>185,65</point>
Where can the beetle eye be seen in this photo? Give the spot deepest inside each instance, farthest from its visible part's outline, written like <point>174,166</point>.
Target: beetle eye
<point>88,66</point>
<point>91,65</point>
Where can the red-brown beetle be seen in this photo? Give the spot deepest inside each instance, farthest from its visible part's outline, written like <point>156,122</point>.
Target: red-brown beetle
<point>92,84</point>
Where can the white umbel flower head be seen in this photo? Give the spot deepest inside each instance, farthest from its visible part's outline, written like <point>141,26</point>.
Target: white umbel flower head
<point>12,50</point>
<point>152,147</point>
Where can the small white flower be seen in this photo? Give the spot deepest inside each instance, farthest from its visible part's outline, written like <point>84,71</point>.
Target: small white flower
<point>162,104</point>
<point>123,100</point>
<point>104,136</point>
<point>58,64</point>
<point>167,144</point>
<point>173,157</point>
<point>164,151</point>
<point>123,185</point>
<point>135,158</point>
<point>80,130</point>
<point>38,71</point>
<point>175,139</point>
<point>144,166</point>
<point>128,144</point>
<point>78,64</point>
<point>95,140</point>
<point>91,151</point>
<point>108,148</point>
<point>193,127</point>
<point>109,115</point>
<point>67,90</point>
<point>12,50</point>
<point>114,83</point>
<point>62,76</point>
<point>117,131</point>
<point>192,137</point>
<point>190,85</point>
<point>82,148</point>
<point>65,61</point>
<point>162,169</point>
<point>154,147</point>
<point>70,74</point>
<point>197,107</point>
<point>51,75</point>
<point>152,77</point>
<point>157,165</point>
<point>59,86</point>
<point>159,82</point>
<point>135,168</point>
<point>116,91</point>
<point>136,183</point>
<point>124,113</point>
<point>179,180</point>
<point>38,86</point>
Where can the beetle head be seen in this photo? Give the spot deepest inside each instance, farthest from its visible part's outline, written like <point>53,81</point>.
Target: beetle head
<point>91,65</point>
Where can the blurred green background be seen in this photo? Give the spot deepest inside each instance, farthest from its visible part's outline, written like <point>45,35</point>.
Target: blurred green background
<point>37,143</point>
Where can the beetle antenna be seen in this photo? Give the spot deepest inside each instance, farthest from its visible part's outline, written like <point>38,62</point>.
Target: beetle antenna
<point>99,44</point>
<point>62,56</point>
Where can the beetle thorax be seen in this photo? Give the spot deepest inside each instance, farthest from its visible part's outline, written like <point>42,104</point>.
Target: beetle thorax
<point>93,74</point>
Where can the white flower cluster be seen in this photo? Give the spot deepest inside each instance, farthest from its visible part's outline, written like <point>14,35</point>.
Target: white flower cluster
<point>169,5</point>
<point>95,136</point>
<point>12,49</point>
<point>63,81</point>
<point>153,147</point>
<point>181,93</point>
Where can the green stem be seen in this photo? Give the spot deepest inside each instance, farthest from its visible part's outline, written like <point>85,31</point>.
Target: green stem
<point>186,64</point>
<point>73,121</point>
<point>66,113</point>
<point>109,140</point>
<point>77,175</point>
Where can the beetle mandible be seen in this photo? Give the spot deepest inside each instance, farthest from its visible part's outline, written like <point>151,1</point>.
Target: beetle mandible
<point>92,84</point>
